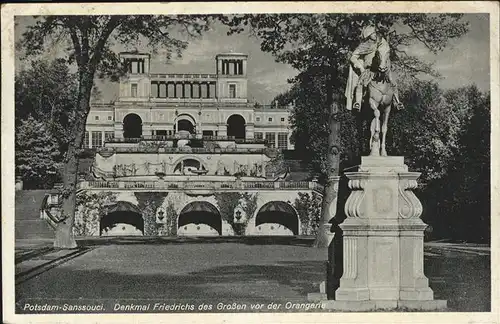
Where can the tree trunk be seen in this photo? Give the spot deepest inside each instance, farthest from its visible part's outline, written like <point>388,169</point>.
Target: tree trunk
<point>64,238</point>
<point>333,162</point>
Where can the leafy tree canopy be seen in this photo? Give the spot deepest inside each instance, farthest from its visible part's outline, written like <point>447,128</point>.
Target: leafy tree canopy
<point>319,41</point>
<point>36,154</point>
<point>47,92</point>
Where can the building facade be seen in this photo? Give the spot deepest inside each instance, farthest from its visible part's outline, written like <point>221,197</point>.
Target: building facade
<point>205,105</point>
<point>187,154</point>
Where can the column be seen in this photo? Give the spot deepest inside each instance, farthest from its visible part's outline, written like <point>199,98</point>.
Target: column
<point>142,66</point>
<point>191,90</point>
<point>183,90</point>
<point>90,139</point>
<point>175,89</point>
<point>208,89</point>
<point>249,131</point>
<point>223,129</point>
<point>235,67</point>
<point>244,67</point>
<point>118,130</point>
<point>199,130</point>
<point>223,65</point>
<point>199,90</point>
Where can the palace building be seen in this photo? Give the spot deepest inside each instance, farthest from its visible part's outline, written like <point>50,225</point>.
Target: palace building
<point>189,155</point>
<point>205,105</point>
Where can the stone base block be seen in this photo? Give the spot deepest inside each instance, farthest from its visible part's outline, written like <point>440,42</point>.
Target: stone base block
<point>358,305</point>
<point>420,294</point>
<point>356,294</point>
<point>371,305</point>
<point>425,305</point>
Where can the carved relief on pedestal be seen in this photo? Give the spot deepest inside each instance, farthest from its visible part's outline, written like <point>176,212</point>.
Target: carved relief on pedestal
<point>409,205</point>
<point>353,203</point>
<point>382,200</point>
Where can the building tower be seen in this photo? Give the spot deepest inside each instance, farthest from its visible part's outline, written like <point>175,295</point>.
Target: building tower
<point>232,77</point>
<point>135,85</point>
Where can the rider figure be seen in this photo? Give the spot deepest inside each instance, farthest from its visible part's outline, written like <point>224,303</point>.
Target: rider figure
<point>361,63</point>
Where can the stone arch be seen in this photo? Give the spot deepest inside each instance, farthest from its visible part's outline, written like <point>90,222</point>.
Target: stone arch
<point>176,164</point>
<point>278,213</point>
<point>122,218</point>
<point>199,218</point>
<point>236,126</point>
<point>185,122</point>
<point>132,126</point>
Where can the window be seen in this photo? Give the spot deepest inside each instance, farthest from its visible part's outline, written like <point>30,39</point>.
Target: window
<point>110,117</point>
<point>257,119</point>
<point>232,91</point>
<point>271,139</point>
<point>109,136</point>
<point>258,135</point>
<point>133,90</point>
<point>282,119</point>
<point>270,119</point>
<point>96,139</point>
<point>96,117</point>
<point>86,140</point>
<point>282,141</point>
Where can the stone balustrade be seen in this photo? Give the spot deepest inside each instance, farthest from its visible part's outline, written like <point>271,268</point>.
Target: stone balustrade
<point>145,138</point>
<point>183,76</point>
<point>203,185</point>
<point>203,150</point>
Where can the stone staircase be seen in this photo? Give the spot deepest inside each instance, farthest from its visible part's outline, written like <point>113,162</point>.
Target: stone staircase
<point>28,224</point>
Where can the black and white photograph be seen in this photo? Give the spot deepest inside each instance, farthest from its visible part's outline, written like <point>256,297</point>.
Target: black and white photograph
<point>310,160</point>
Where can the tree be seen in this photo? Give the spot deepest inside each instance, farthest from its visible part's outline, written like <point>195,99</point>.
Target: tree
<point>324,41</point>
<point>47,92</point>
<point>427,134</point>
<point>89,41</point>
<point>462,198</point>
<point>36,154</point>
<point>309,120</point>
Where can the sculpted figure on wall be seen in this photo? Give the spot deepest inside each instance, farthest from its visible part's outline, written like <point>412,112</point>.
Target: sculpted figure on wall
<point>220,168</point>
<point>147,168</point>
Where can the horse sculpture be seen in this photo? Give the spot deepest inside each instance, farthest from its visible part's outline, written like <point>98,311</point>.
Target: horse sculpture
<point>380,93</point>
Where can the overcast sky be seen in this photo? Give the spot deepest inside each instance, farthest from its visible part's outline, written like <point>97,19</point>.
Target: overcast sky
<point>465,61</point>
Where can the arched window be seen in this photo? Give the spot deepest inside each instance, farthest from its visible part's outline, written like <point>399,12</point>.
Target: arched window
<point>236,126</point>
<point>199,218</point>
<point>132,126</point>
<point>277,218</point>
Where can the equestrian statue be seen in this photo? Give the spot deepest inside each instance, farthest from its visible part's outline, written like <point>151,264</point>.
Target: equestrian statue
<point>370,79</point>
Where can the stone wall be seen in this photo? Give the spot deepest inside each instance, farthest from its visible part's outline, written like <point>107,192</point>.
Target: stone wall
<point>237,210</point>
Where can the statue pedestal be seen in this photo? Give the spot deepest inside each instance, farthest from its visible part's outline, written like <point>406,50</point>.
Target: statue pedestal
<point>383,252</point>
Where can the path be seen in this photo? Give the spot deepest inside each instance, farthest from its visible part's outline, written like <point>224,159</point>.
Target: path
<point>228,271</point>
